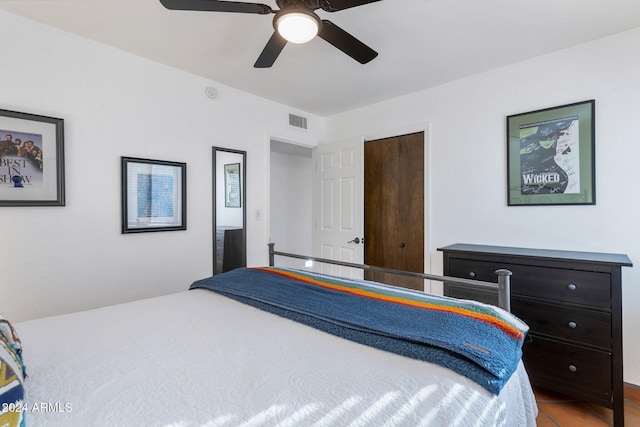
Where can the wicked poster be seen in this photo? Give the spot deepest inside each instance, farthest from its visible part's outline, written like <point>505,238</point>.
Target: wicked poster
<point>551,156</point>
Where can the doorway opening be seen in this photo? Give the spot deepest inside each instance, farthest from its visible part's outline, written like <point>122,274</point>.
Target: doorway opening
<point>291,183</point>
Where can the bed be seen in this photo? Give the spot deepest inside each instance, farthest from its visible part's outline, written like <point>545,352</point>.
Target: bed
<point>219,354</point>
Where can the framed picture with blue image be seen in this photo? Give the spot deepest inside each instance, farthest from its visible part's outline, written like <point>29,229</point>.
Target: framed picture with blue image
<point>232,185</point>
<point>154,195</point>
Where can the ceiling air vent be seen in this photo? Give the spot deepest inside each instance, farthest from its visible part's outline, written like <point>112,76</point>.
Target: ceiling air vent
<point>297,121</point>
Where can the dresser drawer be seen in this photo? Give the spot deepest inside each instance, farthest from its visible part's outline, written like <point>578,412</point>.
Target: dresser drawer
<point>572,286</point>
<point>568,368</point>
<point>576,324</point>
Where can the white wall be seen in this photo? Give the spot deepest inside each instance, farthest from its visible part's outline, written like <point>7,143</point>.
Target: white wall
<point>467,149</point>
<point>62,259</point>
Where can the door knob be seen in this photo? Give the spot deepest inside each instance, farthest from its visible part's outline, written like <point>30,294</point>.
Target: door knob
<point>356,240</point>
<point>402,245</point>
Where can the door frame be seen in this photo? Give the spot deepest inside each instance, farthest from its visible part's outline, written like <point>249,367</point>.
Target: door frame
<point>404,130</point>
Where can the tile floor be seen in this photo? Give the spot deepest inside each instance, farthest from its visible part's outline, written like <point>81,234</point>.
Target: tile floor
<point>556,410</point>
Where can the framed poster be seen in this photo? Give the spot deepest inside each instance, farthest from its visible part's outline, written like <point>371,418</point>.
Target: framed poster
<point>551,156</point>
<point>154,195</point>
<point>31,160</point>
<point>232,183</point>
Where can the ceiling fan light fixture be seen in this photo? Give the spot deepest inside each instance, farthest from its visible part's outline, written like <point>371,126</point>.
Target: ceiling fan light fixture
<point>298,27</point>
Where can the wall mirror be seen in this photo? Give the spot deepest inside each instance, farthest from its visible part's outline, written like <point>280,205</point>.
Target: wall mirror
<point>229,209</point>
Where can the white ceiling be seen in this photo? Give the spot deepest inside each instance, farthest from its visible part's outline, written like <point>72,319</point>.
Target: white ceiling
<point>421,43</point>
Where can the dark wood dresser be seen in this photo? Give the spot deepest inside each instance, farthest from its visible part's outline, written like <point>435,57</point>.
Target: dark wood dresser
<point>229,242</point>
<point>572,302</point>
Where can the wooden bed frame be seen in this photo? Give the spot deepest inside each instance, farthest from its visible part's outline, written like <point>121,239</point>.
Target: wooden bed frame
<point>503,286</point>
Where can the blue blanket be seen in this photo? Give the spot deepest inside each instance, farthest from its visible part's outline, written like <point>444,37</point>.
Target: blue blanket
<point>481,342</point>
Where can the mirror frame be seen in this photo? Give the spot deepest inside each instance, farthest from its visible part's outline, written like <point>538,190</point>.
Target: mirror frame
<point>243,198</point>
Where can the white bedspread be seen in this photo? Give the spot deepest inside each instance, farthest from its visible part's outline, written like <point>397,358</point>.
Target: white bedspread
<point>196,358</point>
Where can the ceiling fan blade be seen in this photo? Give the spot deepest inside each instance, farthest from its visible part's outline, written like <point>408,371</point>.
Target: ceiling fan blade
<point>346,42</point>
<point>335,5</point>
<point>271,51</point>
<point>217,6</point>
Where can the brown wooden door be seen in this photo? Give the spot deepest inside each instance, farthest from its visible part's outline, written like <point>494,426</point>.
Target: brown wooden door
<point>394,207</point>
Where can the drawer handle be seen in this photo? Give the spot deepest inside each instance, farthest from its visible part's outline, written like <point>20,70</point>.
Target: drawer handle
<point>472,274</point>
<point>573,368</point>
<point>573,325</point>
<point>572,286</point>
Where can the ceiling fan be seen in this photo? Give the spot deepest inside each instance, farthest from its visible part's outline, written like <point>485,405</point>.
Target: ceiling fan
<point>295,22</point>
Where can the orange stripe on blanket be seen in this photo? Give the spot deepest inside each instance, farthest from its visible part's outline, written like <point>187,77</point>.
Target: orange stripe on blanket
<point>498,323</point>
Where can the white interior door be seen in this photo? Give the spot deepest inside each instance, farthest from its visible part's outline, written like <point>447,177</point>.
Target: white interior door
<point>338,205</point>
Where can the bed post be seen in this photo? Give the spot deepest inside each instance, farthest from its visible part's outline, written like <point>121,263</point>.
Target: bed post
<point>504,289</point>
<point>272,260</point>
